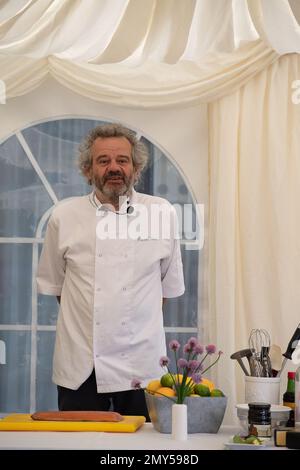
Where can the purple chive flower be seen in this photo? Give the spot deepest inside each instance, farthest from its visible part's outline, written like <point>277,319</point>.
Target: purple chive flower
<point>210,349</point>
<point>187,348</point>
<point>182,363</point>
<point>174,345</point>
<point>164,361</point>
<point>136,384</point>
<point>199,349</point>
<point>197,377</point>
<point>192,342</point>
<point>193,365</point>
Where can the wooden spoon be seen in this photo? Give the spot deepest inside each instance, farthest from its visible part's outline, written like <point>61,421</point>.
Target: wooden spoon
<point>275,355</point>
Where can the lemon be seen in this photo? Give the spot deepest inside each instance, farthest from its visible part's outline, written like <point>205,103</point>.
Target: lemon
<point>202,390</point>
<point>167,380</point>
<point>208,383</point>
<point>178,379</point>
<point>189,381</point>
<point>216,393</point>
<point>194,395</point>
<point>165,391</point>
<point>153,385</point>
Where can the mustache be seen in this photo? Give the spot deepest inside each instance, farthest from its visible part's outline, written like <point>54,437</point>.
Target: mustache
<point>112,174</point>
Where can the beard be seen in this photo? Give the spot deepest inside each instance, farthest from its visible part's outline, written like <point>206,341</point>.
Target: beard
<point>114,191</point>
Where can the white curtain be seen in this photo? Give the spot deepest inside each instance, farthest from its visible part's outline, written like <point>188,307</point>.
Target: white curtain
<point>255,215</point>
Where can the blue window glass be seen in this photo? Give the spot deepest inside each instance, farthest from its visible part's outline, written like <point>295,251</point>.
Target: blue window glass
<point>15,373</point>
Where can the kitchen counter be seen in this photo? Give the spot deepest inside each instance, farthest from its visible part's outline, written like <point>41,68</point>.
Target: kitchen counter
<point>144,438</point>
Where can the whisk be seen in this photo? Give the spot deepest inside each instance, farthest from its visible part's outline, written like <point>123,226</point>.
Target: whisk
<point>259,343</point>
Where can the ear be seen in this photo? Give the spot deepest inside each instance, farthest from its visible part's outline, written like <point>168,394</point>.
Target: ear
<point>89,175</point>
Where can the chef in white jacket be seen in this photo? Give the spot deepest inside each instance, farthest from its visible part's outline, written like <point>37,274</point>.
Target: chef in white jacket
<point>110,257</point>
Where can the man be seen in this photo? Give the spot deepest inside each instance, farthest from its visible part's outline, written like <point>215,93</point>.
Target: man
<point>110,258</point>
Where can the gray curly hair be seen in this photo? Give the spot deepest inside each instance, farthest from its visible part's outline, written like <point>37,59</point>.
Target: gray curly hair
<point>139,150</point>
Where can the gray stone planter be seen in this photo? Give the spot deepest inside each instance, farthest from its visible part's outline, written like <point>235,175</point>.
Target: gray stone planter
<point>205,414</point>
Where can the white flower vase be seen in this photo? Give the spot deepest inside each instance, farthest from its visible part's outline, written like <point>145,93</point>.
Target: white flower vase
<point>179,422</point>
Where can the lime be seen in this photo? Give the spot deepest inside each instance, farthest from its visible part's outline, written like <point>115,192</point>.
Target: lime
<point>216,393</point>
<point>202,390</point>
<point>167,380</point>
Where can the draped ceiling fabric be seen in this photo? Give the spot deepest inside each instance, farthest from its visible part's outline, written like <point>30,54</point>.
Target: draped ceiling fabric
<point>144,53</point>
<point>239,55</point>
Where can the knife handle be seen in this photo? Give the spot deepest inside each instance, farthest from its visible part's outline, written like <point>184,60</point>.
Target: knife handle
<point>291,347</point>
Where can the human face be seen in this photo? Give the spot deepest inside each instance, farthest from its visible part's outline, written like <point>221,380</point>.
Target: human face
<point>112,170</point>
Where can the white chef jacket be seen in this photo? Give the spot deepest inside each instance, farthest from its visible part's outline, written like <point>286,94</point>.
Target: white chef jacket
<point>110,315</point>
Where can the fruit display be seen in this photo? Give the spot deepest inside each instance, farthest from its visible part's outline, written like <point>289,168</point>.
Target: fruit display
<point>188,379</point>
<point>165,386</point>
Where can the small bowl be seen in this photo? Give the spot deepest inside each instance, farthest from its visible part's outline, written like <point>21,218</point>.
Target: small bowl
<point>279,415</point>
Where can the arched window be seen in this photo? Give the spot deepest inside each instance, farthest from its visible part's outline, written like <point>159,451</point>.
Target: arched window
<point>38,168</point>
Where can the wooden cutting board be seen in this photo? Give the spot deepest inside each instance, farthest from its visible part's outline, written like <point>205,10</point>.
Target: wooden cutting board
<point>24,422</point>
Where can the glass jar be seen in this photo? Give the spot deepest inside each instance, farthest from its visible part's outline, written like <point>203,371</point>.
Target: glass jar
<point>259,419</point>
